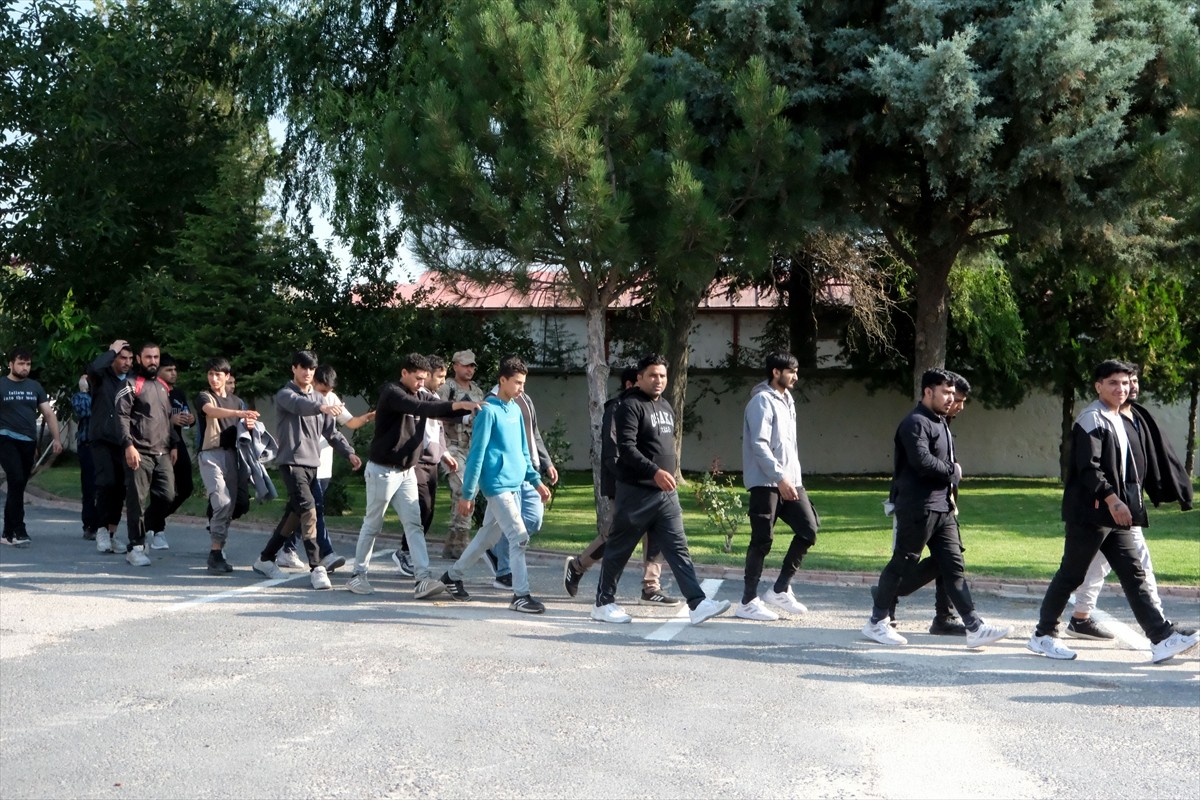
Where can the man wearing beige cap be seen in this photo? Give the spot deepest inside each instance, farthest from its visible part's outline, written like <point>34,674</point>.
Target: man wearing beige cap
<point>461,387</point>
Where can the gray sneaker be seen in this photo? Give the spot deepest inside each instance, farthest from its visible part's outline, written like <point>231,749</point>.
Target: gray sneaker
<point>269,569</point>
<point>428,588</point>
<point>359,584</point>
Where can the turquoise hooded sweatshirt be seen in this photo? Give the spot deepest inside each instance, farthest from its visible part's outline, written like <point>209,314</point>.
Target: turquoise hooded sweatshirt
<point>499,458</point>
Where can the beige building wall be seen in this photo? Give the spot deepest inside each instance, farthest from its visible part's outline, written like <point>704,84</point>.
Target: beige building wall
<point>840,428</point>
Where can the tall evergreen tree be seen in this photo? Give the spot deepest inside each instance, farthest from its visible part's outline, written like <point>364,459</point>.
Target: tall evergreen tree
<point>963,120</point>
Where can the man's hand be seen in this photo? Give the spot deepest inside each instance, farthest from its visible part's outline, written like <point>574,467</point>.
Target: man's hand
<point>552,474</point>
<point>956,478</point>
<point>466,405</point>
<point>355,462</point>
<point>465,507</point>
<point>332,411</point>
<point>181,418</point>
<point>664,480</point>
<point>787,491</point>
<point>543,492</point>
<point>133,459</point>
<point>1119,511</point>
<point>174,456</point>
<point>56,446</point>
<point>450,463</point>
<point>118,345</point>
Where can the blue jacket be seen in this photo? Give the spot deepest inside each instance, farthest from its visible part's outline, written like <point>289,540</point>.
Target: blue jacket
<point>499,458</point>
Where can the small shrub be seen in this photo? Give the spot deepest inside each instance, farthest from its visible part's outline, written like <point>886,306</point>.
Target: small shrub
<point>721,502</point>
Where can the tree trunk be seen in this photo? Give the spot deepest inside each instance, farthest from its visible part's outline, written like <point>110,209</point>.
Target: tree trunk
<point>1068,422</point>
<point>678,355</point>
<point>597,383</point>
<point>933,312</point>
<point>1189,459</point>
<point>802,320</point>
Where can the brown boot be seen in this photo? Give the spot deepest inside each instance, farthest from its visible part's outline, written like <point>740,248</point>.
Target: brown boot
<point>456,542</point>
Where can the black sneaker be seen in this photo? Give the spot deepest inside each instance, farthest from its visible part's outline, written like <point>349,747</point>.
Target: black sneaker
<point>491,562</point>
<point>571,577</point>
<point>1088,628</point>
<point>503,581</point>
<point>217,564</point>
<point>526,605</point>
<point>89,534</point>
<point>454,588</point>
<point>20,539</point>
<point>658,599</point>
<point>8,539</point>
<point>947,626</point>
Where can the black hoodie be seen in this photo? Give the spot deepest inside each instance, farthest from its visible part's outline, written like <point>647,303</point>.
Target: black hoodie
<point>645,432</point>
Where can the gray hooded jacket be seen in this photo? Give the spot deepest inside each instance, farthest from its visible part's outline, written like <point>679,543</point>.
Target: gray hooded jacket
<point>769,452</point>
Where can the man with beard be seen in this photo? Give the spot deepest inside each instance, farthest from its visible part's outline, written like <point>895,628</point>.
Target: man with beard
<point>925,473</point>
<point>144,418</point>
<point>771,461</point>
<point>1164,481</point>
<point>108,375</point>
<point>21,398</point>
<point>181,416</point>
<point>647,500</point>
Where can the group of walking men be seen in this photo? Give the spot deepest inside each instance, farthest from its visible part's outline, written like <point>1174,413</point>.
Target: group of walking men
<point>491,447</point>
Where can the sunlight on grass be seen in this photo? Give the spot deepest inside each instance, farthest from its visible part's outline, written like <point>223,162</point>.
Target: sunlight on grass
<point>1011,526</point>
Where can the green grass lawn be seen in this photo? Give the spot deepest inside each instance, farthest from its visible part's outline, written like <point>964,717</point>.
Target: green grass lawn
<point>1010,526</point>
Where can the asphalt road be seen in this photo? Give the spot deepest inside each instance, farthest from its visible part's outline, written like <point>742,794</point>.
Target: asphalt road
<point>164,681</point>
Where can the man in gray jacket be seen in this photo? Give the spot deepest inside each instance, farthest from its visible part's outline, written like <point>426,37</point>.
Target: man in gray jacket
<point>304,418</point>
<point>771,464</point>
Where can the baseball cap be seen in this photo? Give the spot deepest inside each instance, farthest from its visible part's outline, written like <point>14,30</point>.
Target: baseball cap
<point>464,357</point>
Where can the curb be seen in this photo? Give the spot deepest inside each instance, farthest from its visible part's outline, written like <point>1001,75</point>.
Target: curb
<point>1010,587</point>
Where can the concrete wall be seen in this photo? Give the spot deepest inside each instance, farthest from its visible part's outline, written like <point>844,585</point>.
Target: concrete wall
<point>841,429</point>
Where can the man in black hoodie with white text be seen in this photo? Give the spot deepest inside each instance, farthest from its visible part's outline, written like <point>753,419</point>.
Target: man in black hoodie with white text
<point>646,500</point>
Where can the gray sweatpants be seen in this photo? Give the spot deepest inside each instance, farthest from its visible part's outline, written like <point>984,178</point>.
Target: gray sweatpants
<point>218,471</point>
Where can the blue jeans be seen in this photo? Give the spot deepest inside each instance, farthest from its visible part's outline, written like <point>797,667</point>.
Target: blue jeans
<point>532,511</point>
<point>502,518</point>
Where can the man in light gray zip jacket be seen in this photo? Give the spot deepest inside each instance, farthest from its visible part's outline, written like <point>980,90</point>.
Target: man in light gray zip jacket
<point>771,471</point>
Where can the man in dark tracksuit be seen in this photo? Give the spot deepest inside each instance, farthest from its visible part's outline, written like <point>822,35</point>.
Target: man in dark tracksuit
<point>107,375</point>
<point>646,499</point>
<point>924,473</point>
<point>1102,501</point>
<point>181,415</point>
<point>144,416</point>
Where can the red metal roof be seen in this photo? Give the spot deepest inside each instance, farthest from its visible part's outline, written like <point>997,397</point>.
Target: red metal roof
<point>545,293</point>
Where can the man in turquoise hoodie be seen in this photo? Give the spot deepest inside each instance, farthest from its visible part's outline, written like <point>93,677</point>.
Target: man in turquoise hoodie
<point>497,464</point>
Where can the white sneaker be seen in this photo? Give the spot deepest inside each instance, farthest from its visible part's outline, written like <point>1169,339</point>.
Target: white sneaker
<point>290,559</point>
<point>708,609</point>
<point>320,578</point>
<point>103,541</point>
<point>1174,645</point>
<point>610,613</point>
<point>333,561</point>
<point>785,600</point>
<point>359,584</point>
<point>158,541</point>
<point>755,610</point>
<point>268,569</point>
<point>986,634</point>
<point>883,632</point>
<point>137,556</point>
<point>1050,647</point>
